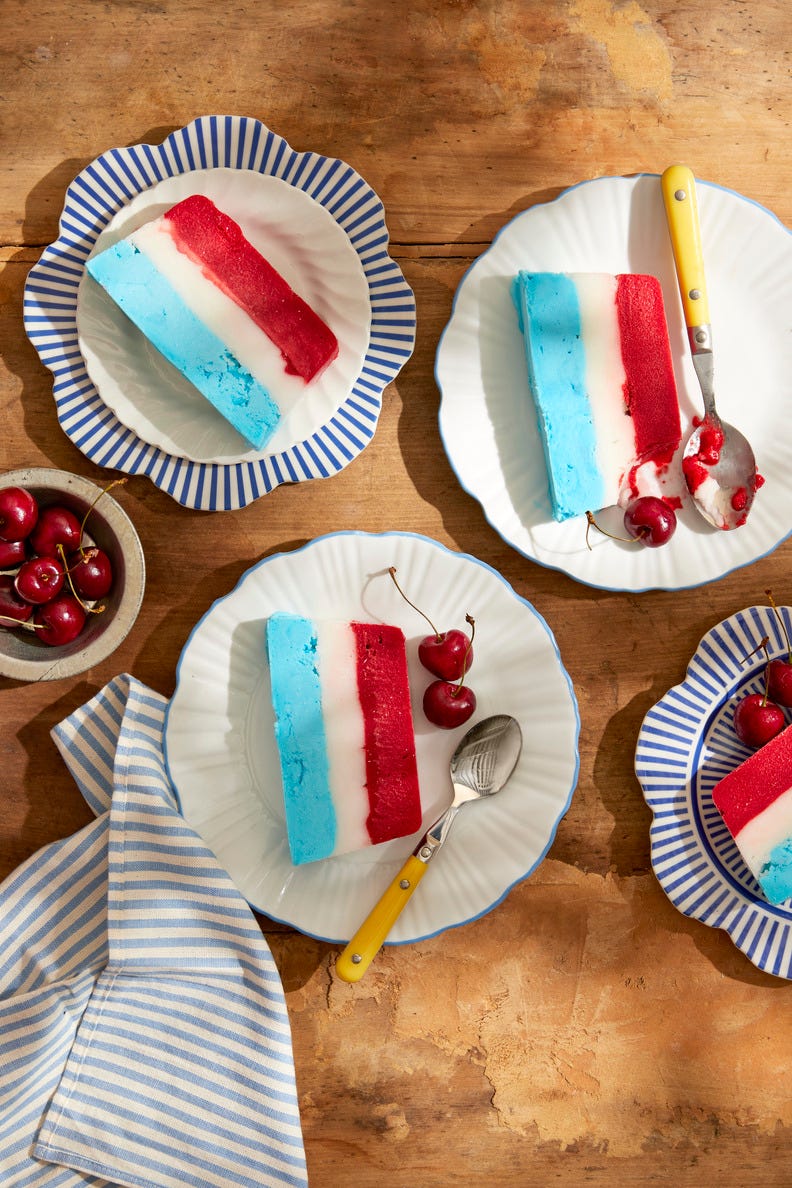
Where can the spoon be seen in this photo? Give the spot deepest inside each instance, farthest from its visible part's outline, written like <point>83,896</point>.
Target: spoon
<point>480,766</point>
<point>718,462</point>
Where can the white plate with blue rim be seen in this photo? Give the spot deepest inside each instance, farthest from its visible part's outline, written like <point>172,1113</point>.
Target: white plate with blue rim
<point>487,421</point>
<point>318,222</point>
<point>222,757</point>
<point>686,744</point>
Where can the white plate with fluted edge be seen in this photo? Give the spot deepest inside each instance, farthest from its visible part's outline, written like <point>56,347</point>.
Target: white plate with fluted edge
<point>214,147</point>
<point>305,244</point>
<point>487,420</point>
<point>686,744</point>
<point>222,758</point>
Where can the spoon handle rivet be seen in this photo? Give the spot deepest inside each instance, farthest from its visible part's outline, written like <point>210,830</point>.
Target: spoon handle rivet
<point>680,195</point>
<point>405,884</point>
<point>694,294</point>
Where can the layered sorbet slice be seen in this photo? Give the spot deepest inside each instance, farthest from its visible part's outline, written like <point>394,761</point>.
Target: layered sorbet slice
<point>755,801</point>
<point>602,380</point>
<point>344,732</point>
<point>216,309</point>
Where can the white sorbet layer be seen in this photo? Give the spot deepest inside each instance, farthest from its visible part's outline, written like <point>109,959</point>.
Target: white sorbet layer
<point>344,731</point>
<point>251,346</point>
<point>759,837</point>
<point>605,374</point>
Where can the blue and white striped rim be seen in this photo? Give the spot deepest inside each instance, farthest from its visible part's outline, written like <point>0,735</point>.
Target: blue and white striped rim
<point>686,744</point>
<point>112,181</point>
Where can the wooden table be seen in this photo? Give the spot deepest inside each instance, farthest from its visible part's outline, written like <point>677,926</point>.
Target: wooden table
<point>584,1031</point>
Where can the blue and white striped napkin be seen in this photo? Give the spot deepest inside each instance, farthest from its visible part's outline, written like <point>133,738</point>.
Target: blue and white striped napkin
<point>144,1038</point>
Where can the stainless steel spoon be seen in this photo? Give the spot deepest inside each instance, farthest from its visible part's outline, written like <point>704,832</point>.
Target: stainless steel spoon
<point>480,766</point>
<point>718,462</point>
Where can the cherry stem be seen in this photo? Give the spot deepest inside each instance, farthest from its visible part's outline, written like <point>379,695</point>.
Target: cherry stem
<point>115,483</point>
<point>765,642</point>
<point>23,623</point>
<point>86,556</point>
<point>592,523</point>
<point>392,572</point>
<point>762,646</point>
<point>472,624</point>
<point>769,594</point>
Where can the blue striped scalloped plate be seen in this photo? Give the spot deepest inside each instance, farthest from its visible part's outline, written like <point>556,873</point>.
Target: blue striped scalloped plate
<point>686,744</point>
<point>123,179</point>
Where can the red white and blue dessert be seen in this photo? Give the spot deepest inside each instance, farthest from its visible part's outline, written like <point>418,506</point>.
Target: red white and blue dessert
<point>602,379</point>
<point>755,801</point>
<point>344,732</point>
<point>216,309</point>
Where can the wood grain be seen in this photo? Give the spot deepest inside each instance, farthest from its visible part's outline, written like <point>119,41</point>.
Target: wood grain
<point>584,1032</point>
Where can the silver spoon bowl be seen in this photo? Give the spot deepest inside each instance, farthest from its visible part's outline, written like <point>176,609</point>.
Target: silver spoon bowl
<point>480,766</point>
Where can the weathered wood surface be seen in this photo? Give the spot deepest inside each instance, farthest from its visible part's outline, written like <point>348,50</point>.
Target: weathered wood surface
<point>584,1032</point>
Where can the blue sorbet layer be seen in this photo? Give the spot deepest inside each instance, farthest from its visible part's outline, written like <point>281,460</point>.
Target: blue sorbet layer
<point>776,876</point>
<point>549,314</point>
<point>300,735</point>
<point>155,307</point>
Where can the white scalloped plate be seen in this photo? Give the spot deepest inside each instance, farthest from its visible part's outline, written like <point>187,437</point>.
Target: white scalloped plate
<point>305,244</point>
<point>487,420</point>
<point>234,153</point>
<point>686,744</point>
<point>222,759</point>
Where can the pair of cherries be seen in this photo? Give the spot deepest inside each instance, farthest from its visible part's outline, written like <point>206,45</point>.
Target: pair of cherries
<point>448,655</point>
<point>759,716</point>
<point>56,575</point>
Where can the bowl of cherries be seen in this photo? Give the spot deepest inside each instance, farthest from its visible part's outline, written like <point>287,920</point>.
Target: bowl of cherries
<point>72,574</point>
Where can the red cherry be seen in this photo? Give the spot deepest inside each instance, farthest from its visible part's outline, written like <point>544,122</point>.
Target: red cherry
<point>650,520</point>
<point>448,704</point>
<point>448,655</point>
<point>39,580</point>
<point>12,553</point>
<point>11,605</point>
<point>757,720</point>
<point>18,513</point>
<point>56,525</point>
<point>91,573</point>
<point>60,621</point>
<point>779,681</point>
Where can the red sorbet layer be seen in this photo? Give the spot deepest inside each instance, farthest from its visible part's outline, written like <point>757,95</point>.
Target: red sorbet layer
<point>650,389</point>
<point>750,788</point>
<point>391,770</point>
<point>215,242</point>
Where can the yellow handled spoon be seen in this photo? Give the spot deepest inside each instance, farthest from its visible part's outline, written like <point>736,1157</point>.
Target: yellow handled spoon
<point>718,462</point>
<point>480,766</point>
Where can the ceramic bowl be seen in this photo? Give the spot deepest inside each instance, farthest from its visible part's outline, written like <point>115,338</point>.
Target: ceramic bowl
<point>25,658</point>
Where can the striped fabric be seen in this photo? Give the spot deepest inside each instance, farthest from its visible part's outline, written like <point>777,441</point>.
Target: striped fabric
<point>144,1038</point>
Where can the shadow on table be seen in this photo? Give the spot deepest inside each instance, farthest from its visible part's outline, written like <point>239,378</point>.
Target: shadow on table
<point>55,807</point>
<point>419,436</point>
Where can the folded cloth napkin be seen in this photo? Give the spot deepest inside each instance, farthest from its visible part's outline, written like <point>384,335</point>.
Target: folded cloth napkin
<point>144,1038</point>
